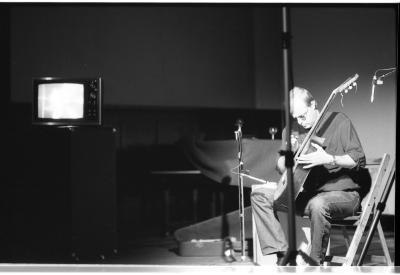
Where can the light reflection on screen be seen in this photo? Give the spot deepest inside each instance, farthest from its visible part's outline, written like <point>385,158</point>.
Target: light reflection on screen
<point>60,100</point>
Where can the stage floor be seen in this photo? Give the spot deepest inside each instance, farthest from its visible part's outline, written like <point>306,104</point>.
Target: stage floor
<point>152,254</point>
<point>164,251</point>
<point>193,269</point>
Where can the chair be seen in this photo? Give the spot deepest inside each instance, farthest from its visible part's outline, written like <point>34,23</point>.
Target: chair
<point>380,178</point>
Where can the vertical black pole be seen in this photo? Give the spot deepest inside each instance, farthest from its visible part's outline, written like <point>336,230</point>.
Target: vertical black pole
<point>291,254</point>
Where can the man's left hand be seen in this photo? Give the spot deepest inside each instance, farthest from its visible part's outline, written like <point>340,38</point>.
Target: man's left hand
<point>319,157</point>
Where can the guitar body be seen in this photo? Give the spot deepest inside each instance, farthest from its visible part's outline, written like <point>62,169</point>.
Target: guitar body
<point>299,178</point>
<point>299,173</point>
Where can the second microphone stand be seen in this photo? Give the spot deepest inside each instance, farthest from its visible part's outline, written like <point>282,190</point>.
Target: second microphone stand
<point>238,137</point>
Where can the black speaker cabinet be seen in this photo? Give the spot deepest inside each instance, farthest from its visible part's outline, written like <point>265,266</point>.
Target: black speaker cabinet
<point>75,195</point>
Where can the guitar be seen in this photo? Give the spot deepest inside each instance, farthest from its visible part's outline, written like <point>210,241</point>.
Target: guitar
<point>300,174</point>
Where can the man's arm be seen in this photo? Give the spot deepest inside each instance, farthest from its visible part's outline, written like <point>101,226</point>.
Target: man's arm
<point>344,161</point>
<point>320,157</point>
<point>353,156</point>
<point>280,165</point>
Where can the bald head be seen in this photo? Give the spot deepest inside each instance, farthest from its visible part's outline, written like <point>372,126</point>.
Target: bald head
<point>303,107</point>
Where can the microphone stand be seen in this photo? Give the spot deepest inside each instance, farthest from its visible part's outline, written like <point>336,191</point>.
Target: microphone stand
<point>291,254</point>
<point>238,137</point>
<point>378,80</point>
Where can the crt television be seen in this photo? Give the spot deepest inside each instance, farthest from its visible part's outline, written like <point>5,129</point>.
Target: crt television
<point>67,101</point>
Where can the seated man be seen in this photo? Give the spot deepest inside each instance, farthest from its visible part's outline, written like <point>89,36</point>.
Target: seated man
<point>333,186</point>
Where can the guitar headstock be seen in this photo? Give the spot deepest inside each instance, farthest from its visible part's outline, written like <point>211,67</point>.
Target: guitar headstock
<point>347,85</point>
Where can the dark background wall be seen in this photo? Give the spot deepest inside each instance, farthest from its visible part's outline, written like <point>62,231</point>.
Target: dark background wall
<point>148,55</point>
<point>5,96</point>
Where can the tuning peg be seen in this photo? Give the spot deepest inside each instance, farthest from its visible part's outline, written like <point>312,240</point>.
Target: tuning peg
<point>350,87</point>
<point>346,91</point>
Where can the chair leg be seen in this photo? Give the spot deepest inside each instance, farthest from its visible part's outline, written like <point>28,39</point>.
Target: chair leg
<point>328,252</point>
<point>346,237</point>
<point>384,244</point>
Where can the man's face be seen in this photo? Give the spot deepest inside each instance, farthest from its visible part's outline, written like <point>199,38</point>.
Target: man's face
<point>305,115</point>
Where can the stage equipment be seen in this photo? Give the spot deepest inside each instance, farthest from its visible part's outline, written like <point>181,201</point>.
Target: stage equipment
<point>261,181</point>
<point>291,254</point>
<point>272,131</point>
<point>238,137</point>
<point>67,101</point>
<point>76,169</point>
<point>378,80</point>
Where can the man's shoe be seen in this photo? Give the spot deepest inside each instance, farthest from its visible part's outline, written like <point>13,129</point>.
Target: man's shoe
<point>280,255</point>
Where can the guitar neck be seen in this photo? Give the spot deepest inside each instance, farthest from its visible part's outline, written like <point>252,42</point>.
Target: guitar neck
<point>312,131</point>
<point>316,124</point>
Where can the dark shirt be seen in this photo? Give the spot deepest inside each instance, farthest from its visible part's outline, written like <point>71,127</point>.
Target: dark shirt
<point>340,139</point>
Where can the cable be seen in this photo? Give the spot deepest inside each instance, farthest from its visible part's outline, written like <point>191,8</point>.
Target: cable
<point>387,69</point>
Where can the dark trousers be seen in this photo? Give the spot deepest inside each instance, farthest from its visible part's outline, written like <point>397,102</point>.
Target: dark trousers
<point>321,208</point>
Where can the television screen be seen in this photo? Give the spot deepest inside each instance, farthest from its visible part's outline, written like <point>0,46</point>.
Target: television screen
<point>60,100</point>
<point>67,101</point>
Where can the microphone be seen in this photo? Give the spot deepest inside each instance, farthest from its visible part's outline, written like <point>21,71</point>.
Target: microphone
<point>239,124</point>
<point>373,88</point>
<point>375,81</point>
<point>379,81</point>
